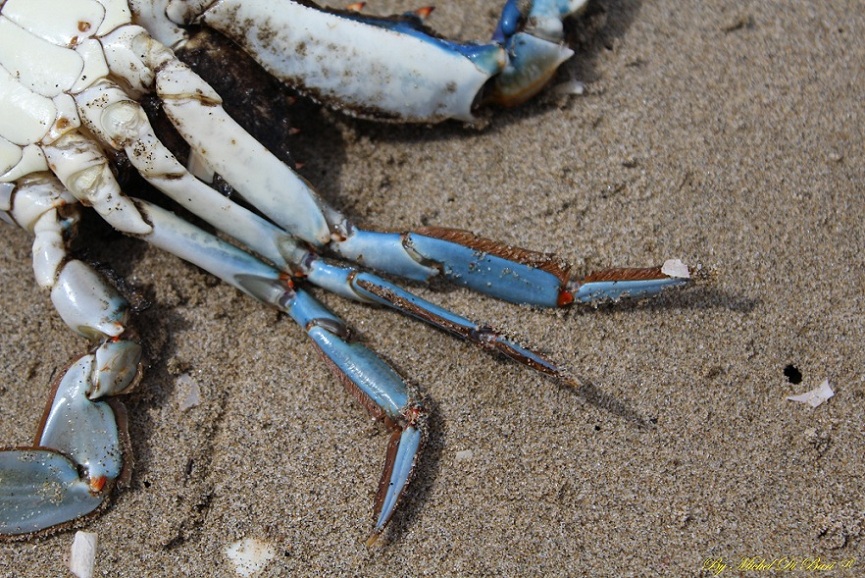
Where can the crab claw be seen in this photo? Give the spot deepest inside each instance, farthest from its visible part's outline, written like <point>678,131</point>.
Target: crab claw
<point>533,63</point>
<point>532,35</point>
<point>70,470</point>
<point>25,505</point>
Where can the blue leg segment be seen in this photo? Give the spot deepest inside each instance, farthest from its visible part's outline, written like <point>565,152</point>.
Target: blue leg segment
<point>380,291</point>
<point>502,271</point>
<point>366,376</point>
<point>615,284</point>
<point>368,288</point>
<point>379,389</point>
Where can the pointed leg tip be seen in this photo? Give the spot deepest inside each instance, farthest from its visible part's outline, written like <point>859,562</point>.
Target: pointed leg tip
<point>570,381</point>
<point>372,540</point>
<point>635,283</point>
<point>399,467</point>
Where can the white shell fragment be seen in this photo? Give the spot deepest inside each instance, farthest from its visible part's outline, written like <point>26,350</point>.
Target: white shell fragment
<point>816,397</point>
<point>675,268</point>
<point>249,555</point>
<point>189,388</point>
<point>82,557</point>
<point>464,455</point>
<point>572,87</point>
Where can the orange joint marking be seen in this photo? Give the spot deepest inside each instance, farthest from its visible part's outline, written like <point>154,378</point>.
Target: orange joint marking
<point>286,278</point>
<point>565,298</point>
<point>96,484</point>
<point>424,12</point>
<point>356,6</point>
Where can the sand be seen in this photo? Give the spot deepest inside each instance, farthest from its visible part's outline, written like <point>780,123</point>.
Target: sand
<point>729,135</point>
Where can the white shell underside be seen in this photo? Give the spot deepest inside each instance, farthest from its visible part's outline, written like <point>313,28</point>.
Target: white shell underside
<point>36,106</point>
<point>318,53</point>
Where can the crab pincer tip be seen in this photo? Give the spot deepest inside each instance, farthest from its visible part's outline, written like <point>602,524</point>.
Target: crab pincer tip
<point>424,12</point>
<point>356,6</point>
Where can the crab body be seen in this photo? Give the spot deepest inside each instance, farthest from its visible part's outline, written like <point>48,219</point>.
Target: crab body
<point>72,75</point>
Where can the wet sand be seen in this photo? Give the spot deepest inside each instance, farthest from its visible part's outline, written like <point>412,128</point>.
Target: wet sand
<point>729,135</point>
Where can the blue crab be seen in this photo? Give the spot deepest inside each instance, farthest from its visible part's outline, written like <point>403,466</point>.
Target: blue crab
<point>72,75</point>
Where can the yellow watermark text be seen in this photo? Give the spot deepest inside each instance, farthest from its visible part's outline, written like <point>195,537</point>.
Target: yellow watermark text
<point>718,565</point>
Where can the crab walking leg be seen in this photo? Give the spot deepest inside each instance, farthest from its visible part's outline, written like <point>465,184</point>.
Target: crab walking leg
<point>379,389</point>
<point>371,288</point>
<point>374,383</point>
<point>77,454</point>
<point>121,123</point>
<point>505,272</point>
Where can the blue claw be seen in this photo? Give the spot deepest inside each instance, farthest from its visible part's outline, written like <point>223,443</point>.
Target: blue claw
<point>532,37</point>
<point>39,489</point>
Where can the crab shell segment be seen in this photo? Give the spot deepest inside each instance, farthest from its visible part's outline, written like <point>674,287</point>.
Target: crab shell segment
<point>387,68</point>
<point>401,73</point>
<point>35,99</point>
